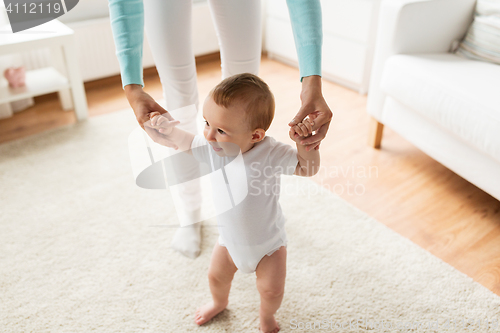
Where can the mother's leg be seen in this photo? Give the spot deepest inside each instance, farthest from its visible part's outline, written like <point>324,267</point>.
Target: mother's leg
<point>168,28</point>
<point>239,30</point>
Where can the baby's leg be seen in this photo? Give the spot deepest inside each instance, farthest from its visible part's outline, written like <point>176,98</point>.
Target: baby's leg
<point>271,273</point>
<point>220,275</point>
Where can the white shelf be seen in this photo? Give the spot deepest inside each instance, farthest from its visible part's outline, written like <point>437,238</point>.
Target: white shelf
<point>61,41</point>
<point>38,82</point>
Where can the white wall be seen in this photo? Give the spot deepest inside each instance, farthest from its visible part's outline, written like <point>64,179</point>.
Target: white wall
<point>348,39</point>
<point>95,45</point>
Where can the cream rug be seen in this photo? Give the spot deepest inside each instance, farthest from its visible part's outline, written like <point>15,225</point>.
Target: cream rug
<point>81,251</point>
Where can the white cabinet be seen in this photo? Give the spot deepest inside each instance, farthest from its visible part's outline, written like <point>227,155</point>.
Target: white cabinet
<point>348,39</point>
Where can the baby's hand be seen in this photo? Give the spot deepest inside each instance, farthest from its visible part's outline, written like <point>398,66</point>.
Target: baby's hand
<point>301,130</point>
<point>162,123</point>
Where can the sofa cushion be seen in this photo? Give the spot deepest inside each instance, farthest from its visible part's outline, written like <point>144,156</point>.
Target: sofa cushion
<point>482,41</point>
<point>460,95</point>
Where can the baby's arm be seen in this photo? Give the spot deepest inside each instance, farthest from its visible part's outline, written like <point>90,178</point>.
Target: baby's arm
<point>163,131</point>
<point>309,161</point>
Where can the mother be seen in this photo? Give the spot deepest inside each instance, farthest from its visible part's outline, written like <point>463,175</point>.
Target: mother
<point>238,26</point>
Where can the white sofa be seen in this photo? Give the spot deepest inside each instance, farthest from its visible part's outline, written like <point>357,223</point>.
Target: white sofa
<point>447,106</point>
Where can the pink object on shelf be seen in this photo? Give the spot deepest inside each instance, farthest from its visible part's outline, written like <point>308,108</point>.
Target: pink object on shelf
<point>16,76</point>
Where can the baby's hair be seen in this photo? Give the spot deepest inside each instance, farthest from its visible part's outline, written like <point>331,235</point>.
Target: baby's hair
<point>257,98</point>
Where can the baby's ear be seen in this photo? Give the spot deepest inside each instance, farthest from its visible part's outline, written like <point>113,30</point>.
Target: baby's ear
<point>258,135</point>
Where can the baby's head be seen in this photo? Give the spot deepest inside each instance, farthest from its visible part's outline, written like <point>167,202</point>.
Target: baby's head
<point>237,112</point>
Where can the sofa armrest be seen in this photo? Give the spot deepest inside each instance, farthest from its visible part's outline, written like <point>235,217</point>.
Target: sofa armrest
<point>414,26</point>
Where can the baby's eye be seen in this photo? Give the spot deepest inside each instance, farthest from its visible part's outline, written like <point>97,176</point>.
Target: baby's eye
<point>206,123</point>
<point>221,131</point>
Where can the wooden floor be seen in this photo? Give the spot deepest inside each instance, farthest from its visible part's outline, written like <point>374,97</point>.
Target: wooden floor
<point>398,185</point>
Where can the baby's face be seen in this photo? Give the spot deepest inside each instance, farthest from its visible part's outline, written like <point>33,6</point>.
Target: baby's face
<point>225,128</point>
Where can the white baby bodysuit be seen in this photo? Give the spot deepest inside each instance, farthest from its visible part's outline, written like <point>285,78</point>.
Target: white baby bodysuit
<point>255,225</point>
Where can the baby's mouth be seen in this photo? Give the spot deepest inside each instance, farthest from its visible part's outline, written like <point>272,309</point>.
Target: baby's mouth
<point>216,148</point>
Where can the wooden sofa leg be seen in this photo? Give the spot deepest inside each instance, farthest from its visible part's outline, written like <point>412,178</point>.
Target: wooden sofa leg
<point>375,135</point>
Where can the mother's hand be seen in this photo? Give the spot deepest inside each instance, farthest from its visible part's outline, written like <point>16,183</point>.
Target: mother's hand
<point>143,104</point>
<point>314,106</point>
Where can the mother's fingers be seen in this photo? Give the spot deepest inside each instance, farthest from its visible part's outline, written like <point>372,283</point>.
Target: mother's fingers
<point>303,112</point>
<point>143,119</point>
<point>321,118</point>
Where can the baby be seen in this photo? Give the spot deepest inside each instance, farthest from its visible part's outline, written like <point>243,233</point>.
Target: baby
<point>252,237</point>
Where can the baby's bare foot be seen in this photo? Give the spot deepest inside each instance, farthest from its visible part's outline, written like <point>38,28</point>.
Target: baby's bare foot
<point>269,325</point>
<point>207,312</point>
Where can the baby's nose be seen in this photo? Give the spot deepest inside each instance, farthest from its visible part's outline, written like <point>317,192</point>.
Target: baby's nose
<point>211,135</point>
